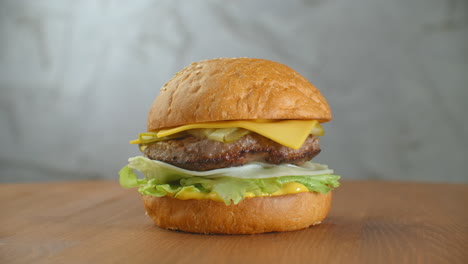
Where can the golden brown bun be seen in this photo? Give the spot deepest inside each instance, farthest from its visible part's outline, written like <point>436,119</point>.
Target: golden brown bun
<point>250,216</point>
<point>236,89</point>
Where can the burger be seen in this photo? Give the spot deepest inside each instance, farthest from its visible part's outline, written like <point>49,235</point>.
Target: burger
<point>229,148</point>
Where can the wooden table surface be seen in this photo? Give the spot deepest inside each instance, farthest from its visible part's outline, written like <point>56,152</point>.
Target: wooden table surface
<point>99,222</point>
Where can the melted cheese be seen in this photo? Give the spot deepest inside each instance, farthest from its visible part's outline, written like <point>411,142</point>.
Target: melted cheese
<point>287,188</point>
<point>290,133</point>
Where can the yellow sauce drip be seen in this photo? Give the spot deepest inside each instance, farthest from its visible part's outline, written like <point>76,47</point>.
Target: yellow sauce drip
<point>287,188</point>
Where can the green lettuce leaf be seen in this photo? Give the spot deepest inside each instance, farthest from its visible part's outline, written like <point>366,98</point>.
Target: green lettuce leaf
<point>163,180</point>
<point>233,189</point>
<point>129,179</point>
<point>319,183</point>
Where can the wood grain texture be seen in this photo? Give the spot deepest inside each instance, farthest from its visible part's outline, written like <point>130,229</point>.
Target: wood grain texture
<point>99,222</point>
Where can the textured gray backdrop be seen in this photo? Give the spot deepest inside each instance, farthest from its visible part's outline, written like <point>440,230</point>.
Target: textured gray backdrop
<point>77,78</point>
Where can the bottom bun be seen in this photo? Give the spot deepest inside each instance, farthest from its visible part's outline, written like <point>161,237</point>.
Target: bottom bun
<point>250,216</point>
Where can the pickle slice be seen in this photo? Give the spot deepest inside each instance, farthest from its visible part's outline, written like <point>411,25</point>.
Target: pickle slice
<point>317,130</point>
<point>150,137</point>
<point>143,147</point>
<point>225,135</point>
<point>235,135</point>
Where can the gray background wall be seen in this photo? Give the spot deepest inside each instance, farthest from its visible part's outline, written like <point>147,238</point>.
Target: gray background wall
<point>78,77</point>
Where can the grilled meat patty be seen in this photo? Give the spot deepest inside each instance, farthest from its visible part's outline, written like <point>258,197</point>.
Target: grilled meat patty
<point>198,154</point>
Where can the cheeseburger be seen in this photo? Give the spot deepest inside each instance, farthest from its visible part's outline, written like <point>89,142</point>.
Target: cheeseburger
<point>229,148</point>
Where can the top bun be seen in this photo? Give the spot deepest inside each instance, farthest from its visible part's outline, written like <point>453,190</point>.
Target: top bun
<point>236,89</point>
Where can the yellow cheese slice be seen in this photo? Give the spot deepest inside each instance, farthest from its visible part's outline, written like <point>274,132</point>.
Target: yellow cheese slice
<point>290,133</point>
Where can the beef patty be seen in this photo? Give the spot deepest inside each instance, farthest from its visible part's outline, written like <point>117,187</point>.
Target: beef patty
<point>198,154</point>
